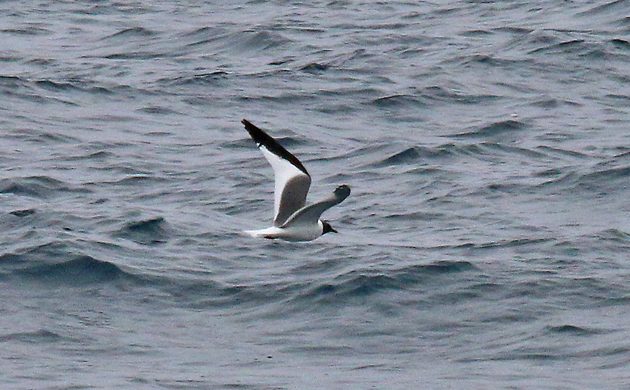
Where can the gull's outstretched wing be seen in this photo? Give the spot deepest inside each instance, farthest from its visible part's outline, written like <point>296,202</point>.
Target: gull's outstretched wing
<point>292,181</point>
<point>311,213</point>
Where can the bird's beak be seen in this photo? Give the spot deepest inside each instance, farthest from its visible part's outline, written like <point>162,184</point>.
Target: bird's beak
<point>333,230</point>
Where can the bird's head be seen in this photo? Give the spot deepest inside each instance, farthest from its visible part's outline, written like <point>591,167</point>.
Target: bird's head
<point>328,228</point>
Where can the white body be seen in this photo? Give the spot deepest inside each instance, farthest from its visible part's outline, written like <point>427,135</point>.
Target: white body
<point>293,233</point>
<point>293,219</point>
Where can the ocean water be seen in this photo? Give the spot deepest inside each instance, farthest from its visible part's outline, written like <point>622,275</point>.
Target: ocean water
<point>486,243</point>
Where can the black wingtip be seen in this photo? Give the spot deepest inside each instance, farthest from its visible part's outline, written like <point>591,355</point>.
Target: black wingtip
<point>262,138</point>
<point>253,131</point>
<point>257,134</point>
<point>342,192</point>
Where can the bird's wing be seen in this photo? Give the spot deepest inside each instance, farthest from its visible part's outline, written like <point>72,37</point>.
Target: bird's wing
<point>311,213</point>
<point>292,180</point>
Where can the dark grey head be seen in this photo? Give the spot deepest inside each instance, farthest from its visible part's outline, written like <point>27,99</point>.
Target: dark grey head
<point>328,228</point>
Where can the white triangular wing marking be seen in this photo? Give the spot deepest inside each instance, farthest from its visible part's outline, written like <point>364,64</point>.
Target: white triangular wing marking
<point>291,186</point>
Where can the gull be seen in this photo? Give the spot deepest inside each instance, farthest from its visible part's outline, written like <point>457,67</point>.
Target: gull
<point>293,220</point>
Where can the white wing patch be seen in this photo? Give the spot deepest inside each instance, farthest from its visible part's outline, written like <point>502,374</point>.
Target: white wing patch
<point>291,186</point>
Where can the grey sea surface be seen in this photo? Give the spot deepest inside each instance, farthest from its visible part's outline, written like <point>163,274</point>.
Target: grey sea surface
<point>486,243</point>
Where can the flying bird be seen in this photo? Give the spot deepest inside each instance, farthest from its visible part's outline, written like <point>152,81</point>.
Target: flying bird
<point>293,219</point>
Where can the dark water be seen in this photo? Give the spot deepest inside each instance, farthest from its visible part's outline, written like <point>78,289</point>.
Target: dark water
<point>486,243</point>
